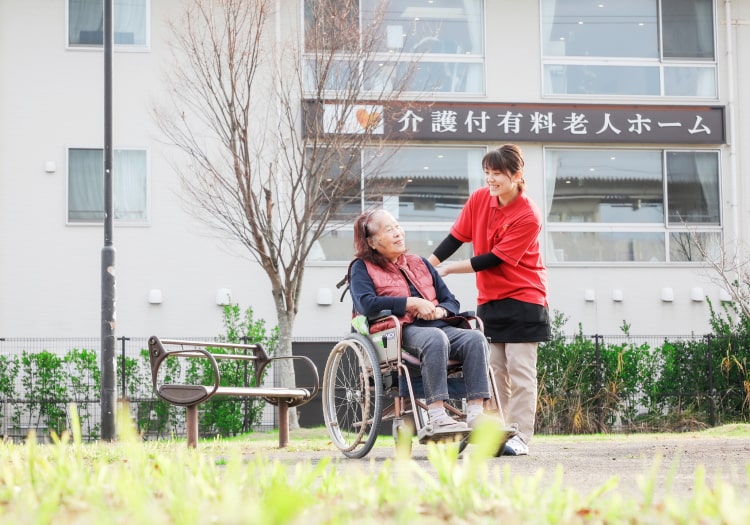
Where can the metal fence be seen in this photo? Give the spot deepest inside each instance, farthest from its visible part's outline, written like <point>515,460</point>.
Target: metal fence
<point>587,383</point>
<point>41,378</point>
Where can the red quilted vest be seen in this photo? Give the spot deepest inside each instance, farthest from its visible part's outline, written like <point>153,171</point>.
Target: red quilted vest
<point>391,280</point>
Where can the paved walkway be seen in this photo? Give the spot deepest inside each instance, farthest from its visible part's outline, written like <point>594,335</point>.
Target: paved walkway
<point>588,464</point>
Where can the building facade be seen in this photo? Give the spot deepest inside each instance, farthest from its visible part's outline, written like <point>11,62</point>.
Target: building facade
<point>631,117</point>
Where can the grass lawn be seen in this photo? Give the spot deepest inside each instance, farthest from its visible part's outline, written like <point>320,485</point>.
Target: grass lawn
<point>135,482</point>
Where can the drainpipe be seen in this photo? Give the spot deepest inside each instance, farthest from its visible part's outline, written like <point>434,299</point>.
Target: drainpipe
<point>731,132</point>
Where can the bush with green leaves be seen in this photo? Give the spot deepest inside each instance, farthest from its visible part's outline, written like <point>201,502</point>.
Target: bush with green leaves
<point>593,384</point>
<point>565,371</point>
<point>626,369</point>
<point>45,382</point>
<point>84,386</point>
<point>677,392</point>
<point>8,373</point>
<point>730,357</point>
<point>228,416</point>
<point>155,417</point>
<point>585,384</point>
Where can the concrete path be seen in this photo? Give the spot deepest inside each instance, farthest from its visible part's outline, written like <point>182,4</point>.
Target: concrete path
<point>588,463</point>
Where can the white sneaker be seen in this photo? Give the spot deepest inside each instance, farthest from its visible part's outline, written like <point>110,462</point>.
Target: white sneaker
<point>516,447</point>
<point>445,423</point>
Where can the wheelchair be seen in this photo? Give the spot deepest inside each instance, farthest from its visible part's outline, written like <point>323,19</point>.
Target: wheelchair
<point>369,380</point>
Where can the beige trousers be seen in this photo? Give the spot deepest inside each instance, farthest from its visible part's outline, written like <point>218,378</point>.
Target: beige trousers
<point>514,366</point>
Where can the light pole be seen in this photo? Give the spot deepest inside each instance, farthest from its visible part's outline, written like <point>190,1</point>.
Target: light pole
<point>108,251</point>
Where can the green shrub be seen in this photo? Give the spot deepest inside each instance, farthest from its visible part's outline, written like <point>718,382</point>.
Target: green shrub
<point>227,416</point>
<point>594,383</point>
<point>45,382</point>
<point>8,374</point>
<point>84,386</point>
<point>730,353</point>
<point>154,416</point>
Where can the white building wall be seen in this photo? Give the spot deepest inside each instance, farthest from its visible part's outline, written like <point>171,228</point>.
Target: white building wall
<point>50,273</point>
<point>50,276</point>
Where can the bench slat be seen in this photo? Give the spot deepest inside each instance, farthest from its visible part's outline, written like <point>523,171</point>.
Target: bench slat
<point>189,394</point>
<point>259,391</point>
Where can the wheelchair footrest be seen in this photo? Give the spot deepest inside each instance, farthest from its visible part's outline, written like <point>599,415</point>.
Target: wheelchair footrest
<point>427,433</point>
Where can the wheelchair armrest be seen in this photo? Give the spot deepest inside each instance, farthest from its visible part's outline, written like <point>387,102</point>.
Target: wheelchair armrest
<point>469,317</point>
<point>387,313</point>
<point>382,314</point>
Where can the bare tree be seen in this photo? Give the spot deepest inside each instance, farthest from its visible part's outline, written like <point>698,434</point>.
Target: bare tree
<point>732,274</point>
<point>237,109</point>
<point>730,270</point>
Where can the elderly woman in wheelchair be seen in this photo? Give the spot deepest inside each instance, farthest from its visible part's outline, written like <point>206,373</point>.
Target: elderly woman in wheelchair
<point>388,285</point>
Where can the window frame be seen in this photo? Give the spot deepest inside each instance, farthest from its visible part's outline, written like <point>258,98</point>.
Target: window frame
<point>145,221</point>
<point>660,63</point>
<point>413,225</point>
<point>146,46</point>
<point>666,228</point>
<point>476,62</point>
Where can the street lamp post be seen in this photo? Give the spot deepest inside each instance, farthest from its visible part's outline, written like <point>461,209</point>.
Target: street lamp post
<point>108,251</point>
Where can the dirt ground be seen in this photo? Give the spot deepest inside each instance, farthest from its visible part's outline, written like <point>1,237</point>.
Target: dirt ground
<point>673,460</point>
<point>670,460</point>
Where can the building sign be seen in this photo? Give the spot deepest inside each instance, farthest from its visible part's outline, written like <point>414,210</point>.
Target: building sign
<point>640,124</point>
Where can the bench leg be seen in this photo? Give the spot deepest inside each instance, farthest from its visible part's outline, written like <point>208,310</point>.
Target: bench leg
<point>283,424</point>
<point>192,426</point>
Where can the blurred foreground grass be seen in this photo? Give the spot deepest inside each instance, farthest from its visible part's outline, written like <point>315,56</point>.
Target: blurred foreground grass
<point>136,482</point>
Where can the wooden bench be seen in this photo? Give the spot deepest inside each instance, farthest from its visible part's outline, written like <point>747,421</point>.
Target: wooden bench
<point>190,396</point>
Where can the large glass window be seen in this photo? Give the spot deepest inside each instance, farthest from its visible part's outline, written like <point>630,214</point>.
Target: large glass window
<point>406,45</point>
<point>423,187</point>
<point>639,47</point>
<point>86,185</point>
<point>627,205</point>
<point>86,23</point>
<point>424,184</point>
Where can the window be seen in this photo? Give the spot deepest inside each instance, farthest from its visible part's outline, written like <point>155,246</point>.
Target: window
<point>86,185</point>
<point>634,206</point>
<point>86,23</point>
<point>410,45</point>
<point>639,47</point>
<point>423,187</point>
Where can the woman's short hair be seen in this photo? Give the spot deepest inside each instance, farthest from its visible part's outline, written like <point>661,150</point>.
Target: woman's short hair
<point>507,159</point>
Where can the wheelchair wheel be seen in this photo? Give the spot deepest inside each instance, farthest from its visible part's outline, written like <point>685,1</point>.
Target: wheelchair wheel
<point>353,395</point>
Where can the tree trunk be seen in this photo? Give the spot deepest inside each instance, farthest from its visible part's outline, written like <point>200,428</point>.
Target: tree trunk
<point>285,367</point>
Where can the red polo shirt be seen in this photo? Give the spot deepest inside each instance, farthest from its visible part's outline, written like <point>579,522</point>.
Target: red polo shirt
<point>512,233</point>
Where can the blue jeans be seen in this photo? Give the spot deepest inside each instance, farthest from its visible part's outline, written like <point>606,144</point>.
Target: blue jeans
<point>434,346</point>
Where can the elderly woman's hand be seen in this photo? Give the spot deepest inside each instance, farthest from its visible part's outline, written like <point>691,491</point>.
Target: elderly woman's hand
<point>424,309</point>
<point>420,308</point>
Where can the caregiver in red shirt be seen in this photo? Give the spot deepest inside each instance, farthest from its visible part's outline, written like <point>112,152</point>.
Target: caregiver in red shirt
<point>503,225</point>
